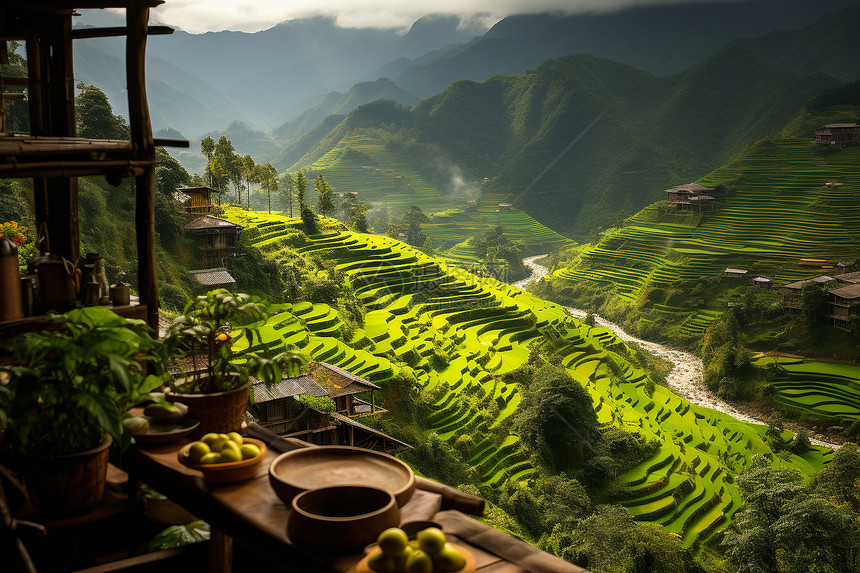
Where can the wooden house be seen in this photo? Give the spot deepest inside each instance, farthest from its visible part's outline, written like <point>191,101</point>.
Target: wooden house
<point>838,134</point>
<point>217,238</point>
<point>195,201</point>
<point>843,304</point>
<point>690,197</point>
<point>471,205</point>
<point>735,273</point>
<point>343,386</point>
<point>792,292</point>
<point>762,282</point>
<point>279,410</point>
<point>506,207</point>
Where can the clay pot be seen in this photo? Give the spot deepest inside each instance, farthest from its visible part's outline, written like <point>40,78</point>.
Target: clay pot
<point>72,484</point>
<point>219,412</point>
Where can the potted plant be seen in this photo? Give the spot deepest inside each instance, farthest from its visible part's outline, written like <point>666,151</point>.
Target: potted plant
<point>66,393</point>
<point>215,372</point>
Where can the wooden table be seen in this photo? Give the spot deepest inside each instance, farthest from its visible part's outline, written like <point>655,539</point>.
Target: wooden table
<point>251,513</point>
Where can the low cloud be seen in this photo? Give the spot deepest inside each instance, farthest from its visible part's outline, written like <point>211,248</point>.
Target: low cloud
<point>252,15</point>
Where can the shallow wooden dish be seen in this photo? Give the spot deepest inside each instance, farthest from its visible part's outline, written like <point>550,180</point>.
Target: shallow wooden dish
<point>227,472</point>
<point>469,567</point>
<point>299,470</point>
<point>344,518</point>
<point>165,429</point>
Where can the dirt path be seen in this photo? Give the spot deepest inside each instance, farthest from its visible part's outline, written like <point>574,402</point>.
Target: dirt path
<point>685,379</point>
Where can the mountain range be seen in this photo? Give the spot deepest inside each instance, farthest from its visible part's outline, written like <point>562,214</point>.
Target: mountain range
<point>269,79</point>
<point>581,140</point>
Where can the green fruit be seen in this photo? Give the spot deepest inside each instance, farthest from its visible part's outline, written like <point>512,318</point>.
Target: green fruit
<point>381,563</point>
<point>250,451</point>
<point>136,425</point>
<point>161,409</point>
<point>392,541</point>
<point>209,438</point>
<point>236,437</point>
<point>231,445</point>
<point>218,444</point>
<point>419,562</point>
<point>400,560</point>
<point>197,451</point>
<point>431,540</point>
<point>211,458</point>
<point>449,559</point>
<point>230,455</point>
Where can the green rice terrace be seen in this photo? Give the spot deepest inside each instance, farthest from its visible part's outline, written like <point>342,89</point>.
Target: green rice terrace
<point>778,217</point>
<point>416,303</point>
<point>826,390</point>
<point>365,165</point>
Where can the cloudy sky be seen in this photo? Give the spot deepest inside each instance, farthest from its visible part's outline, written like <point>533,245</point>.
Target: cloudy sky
<point>254,15</point>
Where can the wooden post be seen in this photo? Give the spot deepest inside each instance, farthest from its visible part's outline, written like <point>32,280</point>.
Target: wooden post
<point>137,18</point>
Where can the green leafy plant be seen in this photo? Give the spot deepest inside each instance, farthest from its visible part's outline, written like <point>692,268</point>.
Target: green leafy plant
<point>69,387</point>
<point>208,334</point>
<point>322,404</point>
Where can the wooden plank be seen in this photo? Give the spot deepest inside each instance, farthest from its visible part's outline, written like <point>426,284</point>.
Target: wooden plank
<point>162,142</point>
<point>112,32</point>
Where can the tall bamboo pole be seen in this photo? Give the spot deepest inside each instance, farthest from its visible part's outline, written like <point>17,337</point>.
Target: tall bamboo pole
<point>137,18</point>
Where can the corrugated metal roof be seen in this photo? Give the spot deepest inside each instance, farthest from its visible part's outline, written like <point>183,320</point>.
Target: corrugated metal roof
<point>736,271</point>
<point>210,222</point>
<point>762,280</point>
<point>213,277</point>
<point>689,188</point>
<point>292,386</point>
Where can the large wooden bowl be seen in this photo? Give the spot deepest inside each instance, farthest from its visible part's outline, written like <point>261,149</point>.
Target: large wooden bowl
<point>343,518</point>
<point>299,470</point>
<point>230,471</point>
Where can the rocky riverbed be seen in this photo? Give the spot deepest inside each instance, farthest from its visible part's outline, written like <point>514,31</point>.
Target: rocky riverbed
<point>686,377</point>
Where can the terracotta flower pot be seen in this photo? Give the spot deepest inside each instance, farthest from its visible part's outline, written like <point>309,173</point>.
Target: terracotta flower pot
<point>218,412</point>
<point>70,484</point>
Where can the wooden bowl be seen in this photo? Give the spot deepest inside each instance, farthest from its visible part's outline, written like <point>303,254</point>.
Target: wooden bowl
<point>343,518</point>
<point>308,468</point>
<point>165,429</point>
<point>469,567</point>
<point>226,472</point>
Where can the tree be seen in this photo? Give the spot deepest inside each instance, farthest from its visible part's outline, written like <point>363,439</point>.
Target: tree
<point>556,418</point>
<point>326,196</point>
<point>207,147</point>
<point>248,171</point>
<point>411,221</point>
<point>94,117</point>
<point>267,176</point>
<point>301,187</point>
<point>354,212</point>
<point>223,164</point>
<point>839,479</point>
<point>381,218</point>
<point>287,190</point>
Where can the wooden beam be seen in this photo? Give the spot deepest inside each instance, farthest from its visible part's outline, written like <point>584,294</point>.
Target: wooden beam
<point>137,18</point>
<point>162,142</point>
<point>112,32</point>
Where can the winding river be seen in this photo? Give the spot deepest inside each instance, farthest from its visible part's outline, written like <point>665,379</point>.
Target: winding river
<point>685,378</point>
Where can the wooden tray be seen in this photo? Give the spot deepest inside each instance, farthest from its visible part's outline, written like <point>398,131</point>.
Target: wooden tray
<point>469,567</point>
<point>308,468</point>
<point>227,472</point>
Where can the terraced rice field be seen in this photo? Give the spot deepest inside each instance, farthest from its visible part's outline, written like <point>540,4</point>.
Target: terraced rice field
<point>365,165</point>
<point>783,222</point>
<point>417,303</point>
<point>826,389</point>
